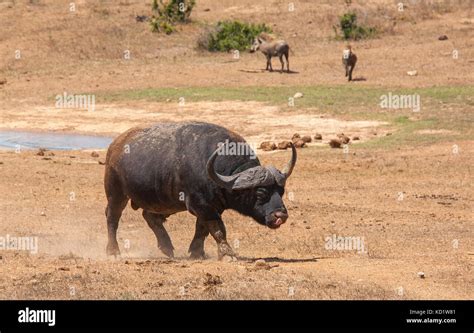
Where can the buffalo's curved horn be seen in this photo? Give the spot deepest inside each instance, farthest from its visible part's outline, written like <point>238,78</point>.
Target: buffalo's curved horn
<point>223,181</point>
<point>291,163</point>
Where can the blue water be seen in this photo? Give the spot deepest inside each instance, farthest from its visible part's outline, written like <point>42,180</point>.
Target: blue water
<point>51,140</point>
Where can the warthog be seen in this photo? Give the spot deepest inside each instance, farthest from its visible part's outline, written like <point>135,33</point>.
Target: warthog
<point>349,60</point>
<point>190,166</point>
<point>272,48</point>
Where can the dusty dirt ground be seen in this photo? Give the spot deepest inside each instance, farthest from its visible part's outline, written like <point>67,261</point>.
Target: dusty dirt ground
<point>412,205</point>
<point>428,229</point>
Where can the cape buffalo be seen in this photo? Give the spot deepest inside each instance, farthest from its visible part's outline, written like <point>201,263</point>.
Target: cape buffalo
<point>173,167</point>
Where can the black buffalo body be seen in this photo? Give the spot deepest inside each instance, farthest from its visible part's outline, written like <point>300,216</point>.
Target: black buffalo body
<point>172,167</point>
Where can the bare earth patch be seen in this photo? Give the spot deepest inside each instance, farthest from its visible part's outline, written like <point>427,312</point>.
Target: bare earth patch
<point>254,120</point>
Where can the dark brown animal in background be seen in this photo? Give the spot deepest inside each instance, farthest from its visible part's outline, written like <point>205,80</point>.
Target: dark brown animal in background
<point>349,60</point>
<point>272,48</point>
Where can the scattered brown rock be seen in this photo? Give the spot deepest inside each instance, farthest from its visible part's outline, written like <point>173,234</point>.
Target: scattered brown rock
<point>101,162</point>
<point>95,154</point>
<point>443,37</point>
<point>268,146</point>
<point>41,151</point>
<point>344,138</point>
<point>306,139</point>
<point>318,136</point>
<point>299,144</point>
<point>355,138</point>
<point>284,145</point>
<point>261,263</point>
<point>3,81</point>
<point>212,280</point>
<point>388,134</point>
<point>335,143</point>
<point>295,136</point>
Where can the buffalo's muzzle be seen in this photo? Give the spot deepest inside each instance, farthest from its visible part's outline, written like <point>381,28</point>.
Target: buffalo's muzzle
<point>278,218</point>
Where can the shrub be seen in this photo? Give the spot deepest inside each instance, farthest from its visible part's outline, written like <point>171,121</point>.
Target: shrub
<point>168,13</point>
<point>231,35</point>
<point>158,25</point>
<point>351,30</point>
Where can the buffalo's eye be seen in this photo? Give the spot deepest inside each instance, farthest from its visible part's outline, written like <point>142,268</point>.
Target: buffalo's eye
<point>262,195</point>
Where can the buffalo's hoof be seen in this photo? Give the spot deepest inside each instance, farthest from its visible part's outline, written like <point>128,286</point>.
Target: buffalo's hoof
<point>225,249</point>
<point>113,250</point>
<point>197,256</point>
<point>228,258</point>
<point>167,252</point>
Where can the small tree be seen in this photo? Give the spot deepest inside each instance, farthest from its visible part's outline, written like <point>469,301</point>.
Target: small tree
<point>351,30</point>
<point>231,35</point>
<point>167,14</point>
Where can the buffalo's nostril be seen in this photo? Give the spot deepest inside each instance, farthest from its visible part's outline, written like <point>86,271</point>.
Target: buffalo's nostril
<point>281,215</point>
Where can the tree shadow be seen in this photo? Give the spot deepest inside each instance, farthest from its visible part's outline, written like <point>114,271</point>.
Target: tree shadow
<point>359,78</point>
<point>277,259</point>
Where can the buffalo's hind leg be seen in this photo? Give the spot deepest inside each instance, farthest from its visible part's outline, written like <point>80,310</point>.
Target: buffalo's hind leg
<point>113,212</point>
<point>155,222</point>
<point>116,203</point>
<point>197,244</point>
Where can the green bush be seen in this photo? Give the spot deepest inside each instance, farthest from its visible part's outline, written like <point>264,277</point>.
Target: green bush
<point>168,13</point>
<point>158,25</point>
<point>351,30</point>
<point>177,10</point>
<point>231,35</point>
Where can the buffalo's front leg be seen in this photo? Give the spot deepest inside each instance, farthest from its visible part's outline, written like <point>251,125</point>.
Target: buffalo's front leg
<point>155,222</point>
<point>217,230</point>
<point>197,245</point>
